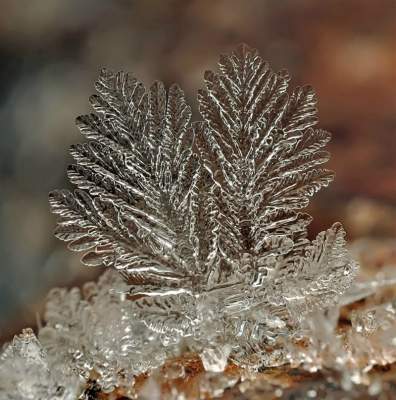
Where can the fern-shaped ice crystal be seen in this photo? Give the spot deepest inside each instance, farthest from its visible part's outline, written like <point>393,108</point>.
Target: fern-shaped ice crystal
<point>203,219</point>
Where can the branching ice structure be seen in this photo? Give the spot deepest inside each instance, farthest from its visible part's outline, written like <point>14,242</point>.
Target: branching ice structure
<point>202,221</point>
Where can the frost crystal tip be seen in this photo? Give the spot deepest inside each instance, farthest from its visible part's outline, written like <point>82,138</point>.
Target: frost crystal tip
<point>202,219</point>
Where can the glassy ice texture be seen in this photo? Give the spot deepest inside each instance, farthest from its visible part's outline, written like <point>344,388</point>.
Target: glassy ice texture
<point>26,372</point>
<point>201,227</point>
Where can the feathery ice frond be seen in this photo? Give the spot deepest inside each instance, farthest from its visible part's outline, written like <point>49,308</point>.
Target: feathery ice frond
<point>260,148</point>
<point>136,178</point>
<point>204,220</point>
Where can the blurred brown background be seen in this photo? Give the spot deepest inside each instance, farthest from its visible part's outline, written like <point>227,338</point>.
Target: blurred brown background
<point>50,54</point>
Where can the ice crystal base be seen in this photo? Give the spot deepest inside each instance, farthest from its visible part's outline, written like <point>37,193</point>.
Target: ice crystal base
<point>91,348</point>
<point>200,226</point>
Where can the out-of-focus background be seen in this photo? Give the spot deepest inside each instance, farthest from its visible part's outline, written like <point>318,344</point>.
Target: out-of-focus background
<point>52,50</point>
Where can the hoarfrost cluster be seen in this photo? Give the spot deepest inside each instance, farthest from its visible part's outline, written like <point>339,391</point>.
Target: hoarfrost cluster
<point>201,228</point>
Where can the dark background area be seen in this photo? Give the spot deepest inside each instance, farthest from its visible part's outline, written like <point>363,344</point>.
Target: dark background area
<point>51,52</point>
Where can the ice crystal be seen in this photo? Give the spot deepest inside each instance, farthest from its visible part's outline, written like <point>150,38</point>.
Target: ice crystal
<point>202,218</point>
<point>26,372</point>
<point>94,331</point>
